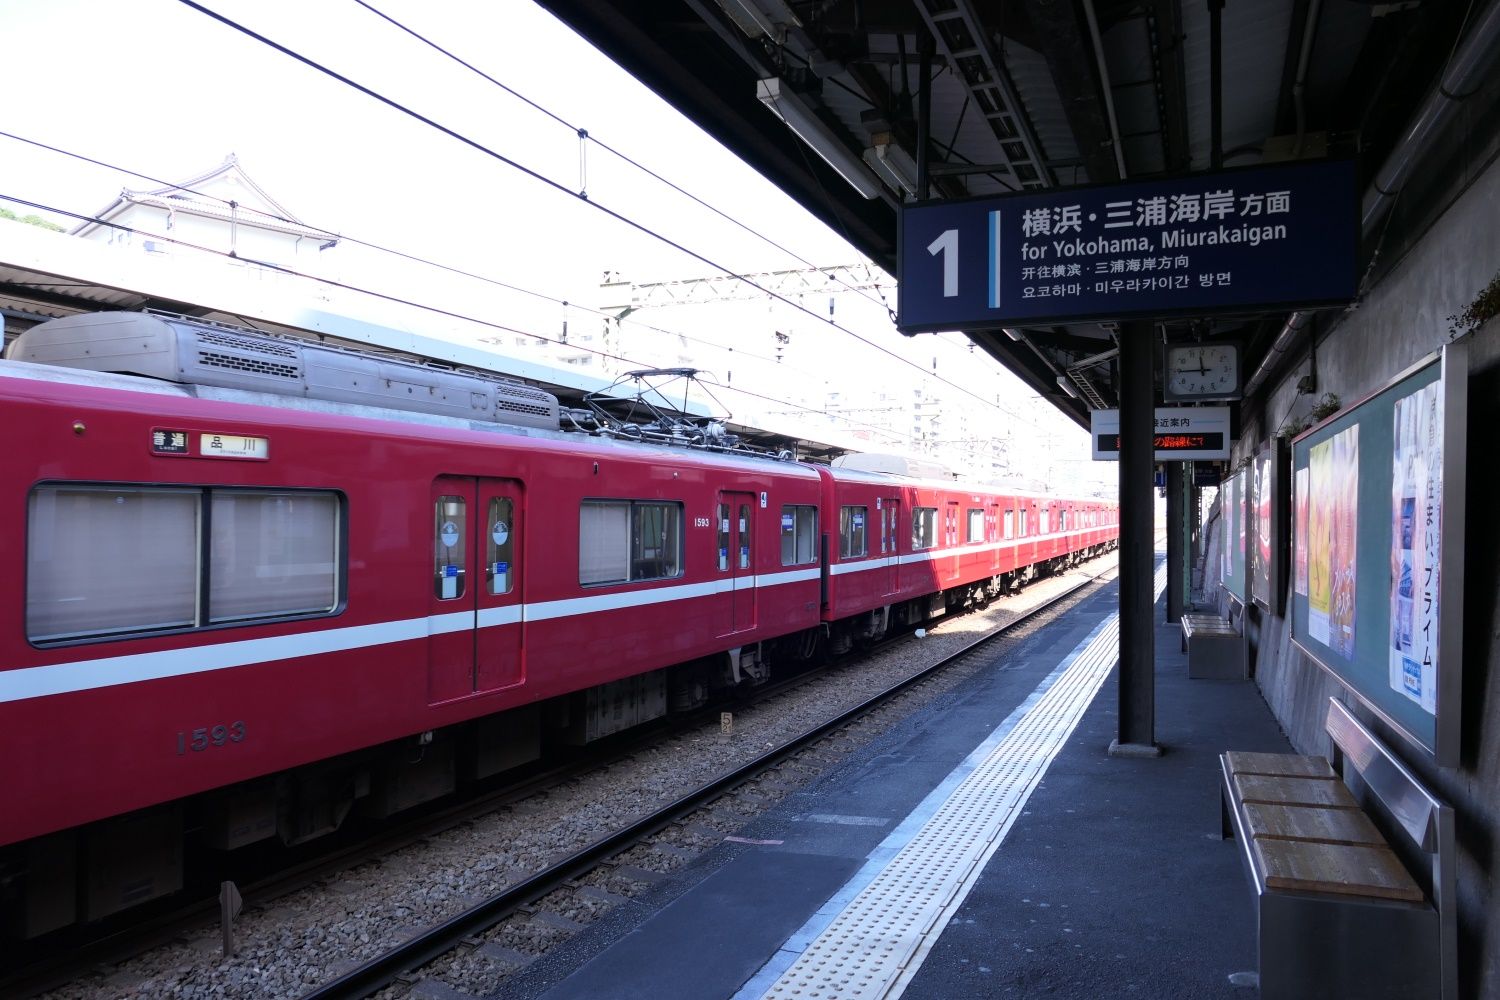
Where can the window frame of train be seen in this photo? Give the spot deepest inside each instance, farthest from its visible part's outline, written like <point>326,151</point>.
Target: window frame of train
<point>970,534</point>
<point>853,531</point>
<point>213,593</point>
<point>799,534</point>
<point>924,525</point>
<point>628,554</point>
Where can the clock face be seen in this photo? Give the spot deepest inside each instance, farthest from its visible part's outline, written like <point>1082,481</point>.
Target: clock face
<point>1202,370</point>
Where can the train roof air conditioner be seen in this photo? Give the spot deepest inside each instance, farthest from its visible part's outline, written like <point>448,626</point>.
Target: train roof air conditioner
<point>194,352</point>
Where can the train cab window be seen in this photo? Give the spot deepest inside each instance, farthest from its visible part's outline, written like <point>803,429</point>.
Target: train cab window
<point>976,525</point>
<point>626,541</point>
<point>499,549</point>
<point>272,553</point>
<point>923,527</point>
<point>449,549</point>
<point>799,534</point>
<point>196,557</point>
<point>852,532</point>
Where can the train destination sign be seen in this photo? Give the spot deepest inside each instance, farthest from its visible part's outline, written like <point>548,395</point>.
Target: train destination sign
<point>1231,240</point>
<point>1182,433</point>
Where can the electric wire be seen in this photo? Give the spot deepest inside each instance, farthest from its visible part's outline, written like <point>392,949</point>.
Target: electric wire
<point>116,168</point>
<point>588,135</point>
<point>400,300</point>
<point>558,186</point>
<point>412,258</point>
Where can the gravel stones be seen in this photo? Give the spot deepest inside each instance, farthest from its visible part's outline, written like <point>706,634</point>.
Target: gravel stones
<point>315,935</point>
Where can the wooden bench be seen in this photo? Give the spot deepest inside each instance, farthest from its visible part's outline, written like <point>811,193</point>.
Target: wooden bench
<point>1338,913</point>
<point>1214,645</point>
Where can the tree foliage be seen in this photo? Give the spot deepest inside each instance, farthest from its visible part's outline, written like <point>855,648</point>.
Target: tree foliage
<point>31,220</point>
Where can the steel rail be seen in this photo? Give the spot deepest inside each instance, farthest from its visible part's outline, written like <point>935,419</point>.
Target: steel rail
<point>438,940</point>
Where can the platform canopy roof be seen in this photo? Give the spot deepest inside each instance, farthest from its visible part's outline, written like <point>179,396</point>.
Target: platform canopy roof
<point>1037,94</point>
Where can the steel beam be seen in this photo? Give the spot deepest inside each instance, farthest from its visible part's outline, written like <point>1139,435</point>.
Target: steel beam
<point>1137,718</point>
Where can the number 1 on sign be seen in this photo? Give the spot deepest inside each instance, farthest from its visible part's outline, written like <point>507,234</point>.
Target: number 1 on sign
<point>947,245</point>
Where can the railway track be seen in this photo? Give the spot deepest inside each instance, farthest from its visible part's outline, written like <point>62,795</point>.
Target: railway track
<point>400,965</point>
<point>655,840</point>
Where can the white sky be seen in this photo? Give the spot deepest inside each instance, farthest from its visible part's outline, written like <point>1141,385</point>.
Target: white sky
<point>157,87</point>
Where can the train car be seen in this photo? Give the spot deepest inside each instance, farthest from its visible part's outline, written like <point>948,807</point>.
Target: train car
<point>908,548</point>
<point>261,586</point>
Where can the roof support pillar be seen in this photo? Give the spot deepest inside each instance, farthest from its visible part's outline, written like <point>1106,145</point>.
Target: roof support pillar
<point>1179,539</point>
<point>925,50</point>
<point>1216,82</point>
<point>1137,721</point>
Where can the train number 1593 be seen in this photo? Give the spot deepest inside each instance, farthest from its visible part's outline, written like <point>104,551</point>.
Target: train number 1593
<point>210,736</point>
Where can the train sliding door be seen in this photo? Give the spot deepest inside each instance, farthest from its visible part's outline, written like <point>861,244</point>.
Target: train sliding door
<point>474,624</point>
<point>736,560</point>
<point>890,534</point>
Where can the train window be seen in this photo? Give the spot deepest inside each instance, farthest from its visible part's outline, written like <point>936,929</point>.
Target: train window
<point>1010,523</point>
<point>852,531</point>
<point>272,554</point>
<point>449,548</point>
<point>723,537</point>
<point>262,554</point>
<point>799,534</point>
<point>976,525</point>
<point>923,527</point>
<point>1046,521</point>
<point>744,536</point>
<point>499,549</point>
<point>625,541</point>
<point>655,541</point>
<point>81,540</point>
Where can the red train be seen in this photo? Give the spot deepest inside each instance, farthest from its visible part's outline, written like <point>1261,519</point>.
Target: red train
<point>248,608</point>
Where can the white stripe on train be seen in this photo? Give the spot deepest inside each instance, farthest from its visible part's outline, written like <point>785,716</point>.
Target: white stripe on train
<point>24,683</point>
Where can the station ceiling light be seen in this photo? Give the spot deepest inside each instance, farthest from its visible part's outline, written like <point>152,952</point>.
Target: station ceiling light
<point>800,118</point>
<point>893,164</point>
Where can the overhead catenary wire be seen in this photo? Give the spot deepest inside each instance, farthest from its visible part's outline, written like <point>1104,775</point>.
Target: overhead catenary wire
<point>588,136</point>
<point>343,237</point>
<point>602,314</point>
<point>560,187</point>
<point>401,300</point>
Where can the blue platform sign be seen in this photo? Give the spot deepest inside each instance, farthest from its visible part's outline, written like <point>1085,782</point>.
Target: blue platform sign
<point>1233,240</point>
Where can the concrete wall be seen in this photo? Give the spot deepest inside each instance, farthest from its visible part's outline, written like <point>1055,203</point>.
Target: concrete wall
<point>1398,321</point>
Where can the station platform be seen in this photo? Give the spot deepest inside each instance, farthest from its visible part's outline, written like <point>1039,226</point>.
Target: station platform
<point>989,846</point>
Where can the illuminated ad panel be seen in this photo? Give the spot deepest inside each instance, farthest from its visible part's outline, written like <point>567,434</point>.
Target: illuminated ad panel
<point>1261,237</point>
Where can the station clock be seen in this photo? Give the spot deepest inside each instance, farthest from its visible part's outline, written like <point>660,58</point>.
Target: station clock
<point>1202,370</point>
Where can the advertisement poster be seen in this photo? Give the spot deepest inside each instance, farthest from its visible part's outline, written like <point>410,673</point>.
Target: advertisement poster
<point>1300,580</point>
<point>1416,527</point>
<point>1319,536</point>
<point>1227,508</point>
<point>1241,496</point>
<point>1345,515</point>
<point>1260,571</point>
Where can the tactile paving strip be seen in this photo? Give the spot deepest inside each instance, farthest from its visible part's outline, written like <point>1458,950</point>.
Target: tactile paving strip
<point>874,947</point>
